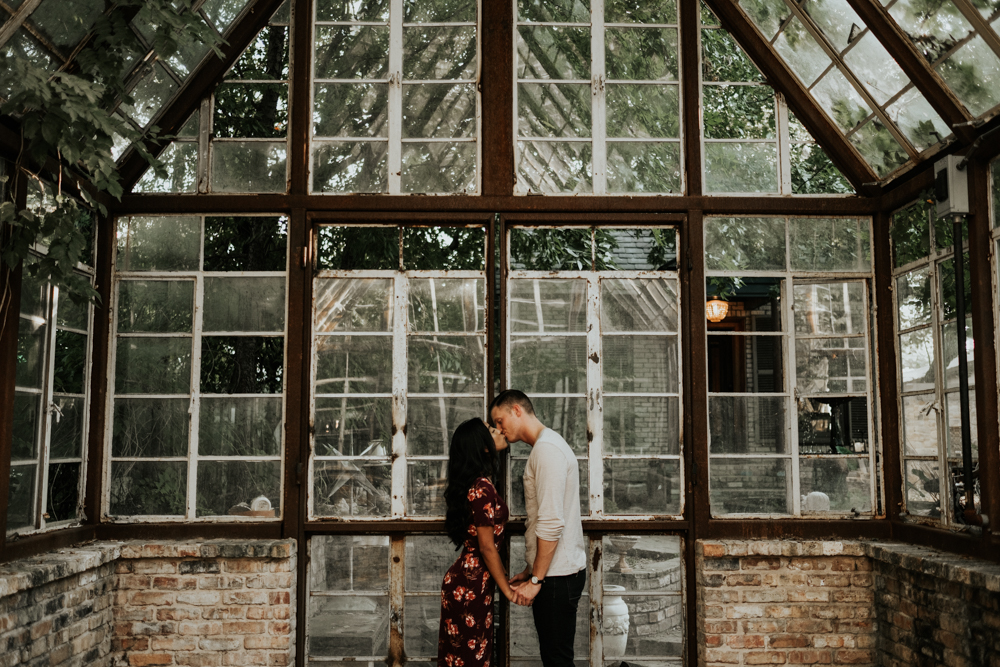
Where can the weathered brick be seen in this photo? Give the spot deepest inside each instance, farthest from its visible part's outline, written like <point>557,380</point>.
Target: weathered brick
<point>809,658</point>
<point>143,659</point>
<point>788,641</point>
<point>764,658</point>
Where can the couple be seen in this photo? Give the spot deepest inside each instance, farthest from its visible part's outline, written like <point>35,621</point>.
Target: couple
<point>554,577</point>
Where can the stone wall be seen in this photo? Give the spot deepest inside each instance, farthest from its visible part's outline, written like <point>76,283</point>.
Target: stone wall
<point>784,602</point>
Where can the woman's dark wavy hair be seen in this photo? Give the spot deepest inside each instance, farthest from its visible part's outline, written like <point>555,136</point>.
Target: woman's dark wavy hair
<point>473,454</point>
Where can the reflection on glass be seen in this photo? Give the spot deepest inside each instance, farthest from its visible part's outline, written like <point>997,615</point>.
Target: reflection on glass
<point>445,364</point>
<point>353,364</point>
<point>920,436</point>
<point>747,424</point>
<point>846,483</point>
<point>754,244</point>
<point>229,487</point>
<point>148,427</point>
<point>651,167</point>
<point>554,167</point>
<point>553,52</point>
<point>248,166</point>
<point>830,244</point>
<point>645,364</point>
<point>244,304</point>
<point>547,305</point>
<point>352,625</point>
<point>351,488</point>
<point>641,486</point>
<point>647,425</point>
<point>516,500</point>
<point>751,364</point>
<point>346,304</point>
<point>160,306</point>
<point>349,563</point>
<point>916,360</point>
<point>913,298</point>
<point>829,308</point>
<point>741,167</point>
<point>833,425</point>
<point>153,366</point>
<point>950,352</point>
<point>425,484</point>
<point>549,364</point>
<point>158,243</point>
<point>437,304</point>
<point>240,427</point>
<point>353,426</point>
<point>953,408</point>
<point>750,486</point>
<point>567,416</point>
<point>350,166</point>
<point>830,365</point>
<point>430,422</point>
<point>21,497</point>
<point>639,305</point>
<point>428,557</point>
<point>148,488</point>
<point>923,488</point>
<point>421,621</point>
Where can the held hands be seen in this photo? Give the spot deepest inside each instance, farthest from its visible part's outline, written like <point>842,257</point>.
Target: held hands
<point>522,591</point>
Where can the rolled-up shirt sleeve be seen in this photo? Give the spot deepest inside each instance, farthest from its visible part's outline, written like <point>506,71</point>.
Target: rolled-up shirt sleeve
<point>550,490</point>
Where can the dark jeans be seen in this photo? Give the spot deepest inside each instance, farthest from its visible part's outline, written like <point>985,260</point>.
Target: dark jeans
<point>554,610</point>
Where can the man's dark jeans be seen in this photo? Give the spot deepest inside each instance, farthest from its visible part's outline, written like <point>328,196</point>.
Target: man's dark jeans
<point>554,610</point>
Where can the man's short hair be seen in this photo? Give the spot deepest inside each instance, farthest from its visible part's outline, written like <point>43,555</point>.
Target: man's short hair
<point>510,397</point>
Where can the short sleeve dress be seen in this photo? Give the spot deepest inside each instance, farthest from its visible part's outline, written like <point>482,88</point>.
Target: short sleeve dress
<point>466,635</point>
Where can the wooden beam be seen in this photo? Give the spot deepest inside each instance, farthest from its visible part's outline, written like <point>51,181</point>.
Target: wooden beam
<point>780,77</point>
<point>496,83</point>
<point>924,78</point>
<point>199,85</point>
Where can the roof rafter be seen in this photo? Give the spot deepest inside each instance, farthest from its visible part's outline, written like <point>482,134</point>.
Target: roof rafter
<point>199,85</point>
<point>839,149</point>
<point>915,66</point>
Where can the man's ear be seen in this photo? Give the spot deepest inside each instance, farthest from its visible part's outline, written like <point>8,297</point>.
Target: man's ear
<point>517,410</point>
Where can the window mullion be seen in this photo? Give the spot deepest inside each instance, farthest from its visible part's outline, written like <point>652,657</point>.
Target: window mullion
<point>595,402</point>
<point>400,297</point>
<point>792,402</point>
<point>784,147</point>
<point>599,150</point>
<point>42,484</point>
<point>596,603</point>
<point>940,409</point>
<point>195,406</point>
<point>204,140</point>
<point>395,147</point>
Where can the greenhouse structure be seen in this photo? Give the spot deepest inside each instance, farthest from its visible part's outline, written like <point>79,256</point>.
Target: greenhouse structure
<point>259,258</point>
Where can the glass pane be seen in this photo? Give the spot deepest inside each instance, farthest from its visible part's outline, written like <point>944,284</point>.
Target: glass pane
<point>150,427</point>
<point>752,364</point>
<point>567,416</point>
<point>949,287</point>
<point>648,425</point>
<point>949,349</point>
<point>652,167</point>
<point>741,167</point>
<point>872,64</point>
<point>969,72</point>
<point>222,12</point>
<point>145,488</point>
<point>753,303</point>
<point>425,484</point>
<point>150,95</point>
<point>911,234</point>
<point>738,112</point>
<point>556,110</point>
<point>548,364</point>
<point>913,299</point>
<point>348,563</point>
<point>233,487</point>
<point>31,346</point>
<point>240,427</point>
<point>439,52</point>
<point>335,10</point>
<point>351,625</point>
<point>180,159</point>
<point>920,436</point>
<point>800,50</point>
<point>747,424</point>
<point>723,60</point>
<point>354,364</point>
<point>250,110</point>
<point>439,110</point>
<point>830,365</point>
<point>566,11</point>
<point>245,243</point>
<point>358,248</point>
<point>833,425</point>
<point>553,52</point>
<point>242,364</point>
<point>523,637</point>
<point>153,366</point>
<point>638,628</point>
<point>642,110</point>
<point>444,249</point>
<point>767,15</point>
<point>646,364</point>
<point>642,563</point>
<point>438,11</point>
<point>622,11</point>
<point>439,167</point>
<point>830,308</point>
<point>813,172</point>
<point>21,497</point>
<point>830,244</point>
<point>248,166</point>
<point>353,426</point>
<point>877,145</point>
<point>428,557</point>
<point>517,489</point>
<point>421,621</point>
<point>642,249</point>
<point>26,414</point>
<point>70,361</point>
<point>430,422</point>
<point>953,408</point>
<point>648,54</point>
<point>750,486</point>
<point>548,305</point>
<point>438,304</point>
<point>244,304</point>
<point>352,488</point>
<point>917,120</point>
<point>356,166</point>
<point>756,244</point>
<point>916,360</point>
<point>345,304</point>
<point>63,502</point>
<point>944,233</point>
<point>155,306</point>
<point>642,486</point>
<point>67,426</point>
<point>350,110</point>
<point>446,364</point>
<point>835,485</point>
<point>267,56</point>
<point>158,243</point>
<point>351,52</point>
<point>554,167</point>
<point>638,305</point>
<point>834,18</point>
<point>923,488</point>
<point>840,100</point>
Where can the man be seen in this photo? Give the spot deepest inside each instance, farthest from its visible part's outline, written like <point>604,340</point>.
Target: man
<point>554,549</point>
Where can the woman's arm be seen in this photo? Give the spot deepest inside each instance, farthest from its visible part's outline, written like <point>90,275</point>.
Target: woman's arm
<point>492,557</point>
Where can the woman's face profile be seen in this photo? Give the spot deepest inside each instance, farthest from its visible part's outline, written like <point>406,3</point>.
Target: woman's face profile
<point>498,440</point>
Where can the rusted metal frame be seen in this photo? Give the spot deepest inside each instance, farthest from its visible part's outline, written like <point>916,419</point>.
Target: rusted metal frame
<point>570,207</point>
<point>984,331</point>
<point>979,24</point>
<point>198,85</point>
<point>10,290</point>
<point>946,540</point>
<point>189,530</point>
<point>496,72</point>
<point>298,340</point>
<point>793,527</point>
<point>585,219</point>
<point>916,67</point>
<point>690,54</point>
<point>300,96</point>
<point>828,135</point>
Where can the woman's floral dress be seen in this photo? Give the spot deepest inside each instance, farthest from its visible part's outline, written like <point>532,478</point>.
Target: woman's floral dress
<point>466,635</point>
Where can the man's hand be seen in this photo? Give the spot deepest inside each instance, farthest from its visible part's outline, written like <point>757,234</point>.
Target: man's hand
<point>523,575</point>
<point>526,591</point>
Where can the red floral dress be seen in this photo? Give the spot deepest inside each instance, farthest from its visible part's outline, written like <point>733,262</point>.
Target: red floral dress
<point>466,635</point>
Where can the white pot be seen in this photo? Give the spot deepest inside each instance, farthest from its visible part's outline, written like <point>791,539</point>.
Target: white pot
<point>615,623</point>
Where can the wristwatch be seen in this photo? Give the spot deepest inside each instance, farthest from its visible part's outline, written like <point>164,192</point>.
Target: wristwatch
<point>536,580</point>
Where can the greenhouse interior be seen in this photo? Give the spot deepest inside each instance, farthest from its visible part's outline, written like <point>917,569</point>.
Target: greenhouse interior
<point>260,258</point>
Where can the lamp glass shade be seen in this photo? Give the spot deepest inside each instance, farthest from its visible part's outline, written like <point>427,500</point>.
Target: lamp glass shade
<point>716,310</point>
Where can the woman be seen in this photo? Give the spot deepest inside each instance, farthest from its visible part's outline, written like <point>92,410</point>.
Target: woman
<point>475,520</point>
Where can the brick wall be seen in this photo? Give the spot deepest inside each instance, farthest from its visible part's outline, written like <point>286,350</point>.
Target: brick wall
<point>784,602</point>
<point>934,608</point>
